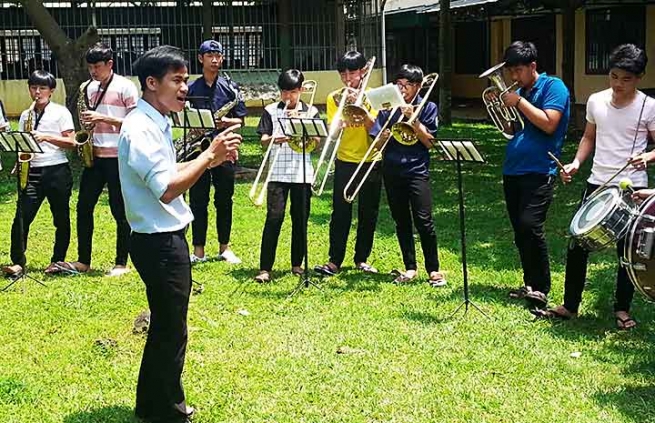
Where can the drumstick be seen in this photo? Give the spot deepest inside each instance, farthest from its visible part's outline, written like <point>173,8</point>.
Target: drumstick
<point>557,162</point>
<point>613,176</point>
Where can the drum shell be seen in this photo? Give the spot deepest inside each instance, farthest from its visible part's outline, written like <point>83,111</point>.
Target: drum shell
<point>640,264</point>
<point>612,227</point>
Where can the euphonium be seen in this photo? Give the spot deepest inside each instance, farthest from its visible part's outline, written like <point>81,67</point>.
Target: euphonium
<point>258,191</point>
<point>84,137</point>
<point>502,116</point>
<point>348,113</point>
<point>403,131</point>
<point>24,159</point>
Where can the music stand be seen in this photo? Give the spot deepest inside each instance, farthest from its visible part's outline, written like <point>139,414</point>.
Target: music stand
<point>461,150</point>
<point>190,118</point>
<point>19,142</point>
<point>305,128</point>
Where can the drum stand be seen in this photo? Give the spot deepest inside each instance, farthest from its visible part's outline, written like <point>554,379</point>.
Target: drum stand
<point>459,150</point>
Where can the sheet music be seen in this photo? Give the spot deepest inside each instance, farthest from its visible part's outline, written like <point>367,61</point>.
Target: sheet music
<point>19,141</point>
<point>294,127</point>
<point>385,97</point>
<point>465,148</point>
<point>196,118</point>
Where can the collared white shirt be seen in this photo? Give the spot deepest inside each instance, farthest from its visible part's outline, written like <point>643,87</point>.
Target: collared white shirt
<point>55,120</point>
<point>146,165</point>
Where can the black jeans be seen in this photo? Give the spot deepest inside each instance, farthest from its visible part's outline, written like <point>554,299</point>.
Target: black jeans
<point>367,213</point>
<point>93,180</point>
<point>222,177</point>
<point>162,261</point>
<point>276,203</point>
<point>410,197</point>
<point>576,272</point>
<point>55,184</point>
<point>527,198</point>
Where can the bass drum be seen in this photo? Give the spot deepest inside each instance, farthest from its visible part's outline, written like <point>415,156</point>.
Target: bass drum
<point>639,252</point>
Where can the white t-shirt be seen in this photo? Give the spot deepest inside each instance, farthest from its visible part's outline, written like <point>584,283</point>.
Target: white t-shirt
<point>55,120</point>
<point>615,133</point>
<point>120,98</point>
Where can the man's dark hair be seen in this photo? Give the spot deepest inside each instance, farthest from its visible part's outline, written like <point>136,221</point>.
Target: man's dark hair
<point>157,62</point>
<point>630,58</point>
<point>411,73</point>
<point>520,53</point>
<point>99,52</point>
<point>42,78</point>
<point>290,79</point>
<point>352,61</point>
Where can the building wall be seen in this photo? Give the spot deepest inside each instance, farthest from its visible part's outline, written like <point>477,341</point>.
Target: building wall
<point>15,96</point>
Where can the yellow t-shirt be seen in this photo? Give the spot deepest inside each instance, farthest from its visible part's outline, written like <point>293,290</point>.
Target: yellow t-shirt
<point>355,139</point>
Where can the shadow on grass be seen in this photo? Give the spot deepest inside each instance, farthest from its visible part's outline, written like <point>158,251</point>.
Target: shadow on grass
<point>632,401</point>
<point>109,414</point>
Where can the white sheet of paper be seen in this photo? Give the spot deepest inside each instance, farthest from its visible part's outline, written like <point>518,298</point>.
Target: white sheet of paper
<point>385,97</point>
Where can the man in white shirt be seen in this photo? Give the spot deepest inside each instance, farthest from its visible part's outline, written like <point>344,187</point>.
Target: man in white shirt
<point>152,185</point>
<point>618,122</point>
<point>49,175</point>
<point>109,98</point>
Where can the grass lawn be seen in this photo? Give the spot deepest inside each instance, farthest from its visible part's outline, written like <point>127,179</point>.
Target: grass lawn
<point>67,352</point>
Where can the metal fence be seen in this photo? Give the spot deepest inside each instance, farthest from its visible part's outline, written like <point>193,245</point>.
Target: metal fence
<point>262,34</point>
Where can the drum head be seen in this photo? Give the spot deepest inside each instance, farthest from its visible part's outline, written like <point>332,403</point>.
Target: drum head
<point>642,278</point>
<point>594,210</point>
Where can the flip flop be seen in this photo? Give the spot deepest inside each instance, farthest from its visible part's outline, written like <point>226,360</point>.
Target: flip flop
<point>537,299</point>
<point>402,278</point>
<point>325,270</point>
<point>519,294</point>
<point>12,274</point>
<point>263,277</point>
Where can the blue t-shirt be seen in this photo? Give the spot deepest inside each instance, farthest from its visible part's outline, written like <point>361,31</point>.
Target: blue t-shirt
<point>528,151</point>
<point>221,92</point>
<point>407,160</point>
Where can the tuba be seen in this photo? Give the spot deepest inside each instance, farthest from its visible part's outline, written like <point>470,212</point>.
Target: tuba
<point>501,115</point>
<point>258,189</point>
<point>84,137</point>
<point>24,159</point>
<point>402,131</point>
<point>348,113</point>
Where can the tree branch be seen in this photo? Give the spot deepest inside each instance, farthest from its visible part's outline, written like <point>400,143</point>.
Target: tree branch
<point>45,24</point>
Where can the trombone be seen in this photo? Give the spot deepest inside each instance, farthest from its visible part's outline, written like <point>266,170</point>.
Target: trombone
<point>257,192</point>
<point>346,113</point>
<point>401,131</point>
<point>501,115</point>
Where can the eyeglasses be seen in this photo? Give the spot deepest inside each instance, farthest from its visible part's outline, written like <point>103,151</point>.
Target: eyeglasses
<point>405,86</point>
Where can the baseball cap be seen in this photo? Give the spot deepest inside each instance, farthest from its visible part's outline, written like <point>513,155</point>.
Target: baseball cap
<point>210,46</point>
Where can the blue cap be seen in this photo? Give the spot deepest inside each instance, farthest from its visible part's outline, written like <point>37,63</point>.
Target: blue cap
<point>210,46</point>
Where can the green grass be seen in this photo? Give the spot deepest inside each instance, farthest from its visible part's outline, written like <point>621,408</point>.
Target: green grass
<point>68,355</point>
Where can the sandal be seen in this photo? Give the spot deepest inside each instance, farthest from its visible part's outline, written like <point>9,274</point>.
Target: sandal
<point>437,280</point>
<point>626,323</point>
<point>13,271</point>
<point>67,268</point>
<point>366,268</point>
<point>327,269</point>
<point>403,278</point>
<point>519,294</point>
<point>537,299</point>
<point>263,277</point>
<point>299,271</point>
<point>556,313</point>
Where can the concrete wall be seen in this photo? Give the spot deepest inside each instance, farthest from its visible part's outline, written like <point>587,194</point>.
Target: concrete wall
<point>15,96</point>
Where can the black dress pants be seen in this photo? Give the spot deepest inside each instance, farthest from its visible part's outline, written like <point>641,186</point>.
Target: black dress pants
<point>93,180</point>
<point>54,183</point>
<point>222,177</point>
<point>162,261</point>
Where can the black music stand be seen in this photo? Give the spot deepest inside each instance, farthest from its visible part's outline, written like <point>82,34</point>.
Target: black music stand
<point>194,120</point>
<point>19,142</point>
<point>461,150</point>
<point>305,128</point>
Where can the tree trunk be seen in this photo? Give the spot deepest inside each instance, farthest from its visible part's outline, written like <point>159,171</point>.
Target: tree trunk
<point>70,53</point>
<point>445,62</point>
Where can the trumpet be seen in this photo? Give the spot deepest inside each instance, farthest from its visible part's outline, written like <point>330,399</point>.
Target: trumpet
<point>348,113</point>
<point>258,190</point>
<point>401,131</point>
<point>84,137</point>
<point>404,132</point>
<point>502,116</point>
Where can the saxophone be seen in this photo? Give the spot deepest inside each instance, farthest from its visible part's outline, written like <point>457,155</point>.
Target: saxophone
<point>197,140</point>
<point>84,137</point>
<point>24,159</point>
